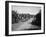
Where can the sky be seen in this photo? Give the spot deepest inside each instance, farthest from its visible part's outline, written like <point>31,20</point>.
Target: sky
<point>26,9</point>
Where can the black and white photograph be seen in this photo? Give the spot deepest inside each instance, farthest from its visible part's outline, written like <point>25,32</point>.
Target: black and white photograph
<point>24,18</point>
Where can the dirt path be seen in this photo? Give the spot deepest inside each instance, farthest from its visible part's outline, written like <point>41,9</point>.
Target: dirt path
<point>24,25</point>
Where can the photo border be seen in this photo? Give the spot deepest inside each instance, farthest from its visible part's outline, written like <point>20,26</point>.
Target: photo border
<point>7,17</point>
